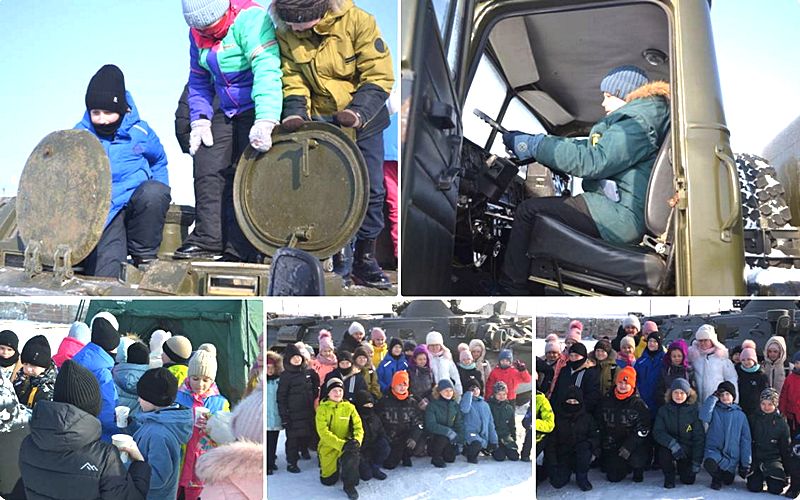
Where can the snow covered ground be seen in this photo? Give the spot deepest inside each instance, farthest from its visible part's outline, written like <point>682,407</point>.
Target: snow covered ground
<point>460,480</point>
<point>651,488</point>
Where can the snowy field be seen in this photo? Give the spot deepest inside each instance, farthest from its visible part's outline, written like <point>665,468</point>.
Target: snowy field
<point>460,480</point>
<point>651,488</point>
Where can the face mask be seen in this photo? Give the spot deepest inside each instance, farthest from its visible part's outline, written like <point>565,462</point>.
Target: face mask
<point>574,365</point>
<point>109,129</point>
<point>6,362</point>
<point>572,408</point>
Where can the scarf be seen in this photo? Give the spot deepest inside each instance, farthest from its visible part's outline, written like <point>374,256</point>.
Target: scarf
<point>207,38</point>
<point>470,366</point>
<point>574,365</point>
<point>629,359</point>
<point>6,362</point>
<point>401,397</point>
<point>623,395</point>
<point>752,369</point>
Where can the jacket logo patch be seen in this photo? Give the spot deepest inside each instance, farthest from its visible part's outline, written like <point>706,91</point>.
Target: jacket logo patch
<point>689,428</point>
<point>88,466</point>
<point>595,138</point>
<point>379,45</point>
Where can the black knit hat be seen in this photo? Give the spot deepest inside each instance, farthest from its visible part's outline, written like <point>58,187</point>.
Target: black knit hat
<point>473,382</point>
<point>77,386</point>
<point>107,90</point>
<point>344,356</point>
<point>37,352</point>
<point>138,354</point>
<point>301,11</point>
<point>362,398</point>
<point>603,344</point>
<point>578,348</point>
<point>158,386</point>
<point>728,387</point>
<point>333,383</point>
<point>104,334</point>
<point>409,345</point>
<point>9,339</point>
<point>393,342</point>
<point>657,337</point>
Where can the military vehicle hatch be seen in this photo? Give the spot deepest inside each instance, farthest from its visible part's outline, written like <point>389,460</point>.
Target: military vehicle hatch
<point>309,192</point>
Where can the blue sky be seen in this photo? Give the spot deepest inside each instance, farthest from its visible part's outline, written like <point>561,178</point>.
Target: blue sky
<point>52,48</point>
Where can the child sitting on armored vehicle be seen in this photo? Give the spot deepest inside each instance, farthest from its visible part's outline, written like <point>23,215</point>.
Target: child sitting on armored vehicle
<point>140,192</point>
<point>621,147</point>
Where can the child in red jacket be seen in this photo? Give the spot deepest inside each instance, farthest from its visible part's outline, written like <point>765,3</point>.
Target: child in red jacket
<point>789,403</point>
<point>503,372</point>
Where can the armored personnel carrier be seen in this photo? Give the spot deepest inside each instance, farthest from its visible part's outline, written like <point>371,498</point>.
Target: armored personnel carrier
<point>309,192</point>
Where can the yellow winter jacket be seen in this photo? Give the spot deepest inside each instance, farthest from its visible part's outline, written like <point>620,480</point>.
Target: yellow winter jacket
<point>336,424</point>
<point>328,63</point>
<point>545,420</point>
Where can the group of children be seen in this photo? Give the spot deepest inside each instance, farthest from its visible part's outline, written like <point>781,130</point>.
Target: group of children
<point>679,410</point>
<point>165,398</point>
<point>382,404</point>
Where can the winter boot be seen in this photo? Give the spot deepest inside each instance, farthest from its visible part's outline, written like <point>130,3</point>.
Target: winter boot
<point>438,462</point>
<point>638,475</point>
<point>352,494</point>
<point>270,472</point>
<point>583,481</point>
<point>305,454</point>
<point>293,468</point>
<point>716,483</point>
<point>407,462</point>
<point>377,473</point>
<point>669,481</point>
<point>366,271</point>
<point>792,492</point>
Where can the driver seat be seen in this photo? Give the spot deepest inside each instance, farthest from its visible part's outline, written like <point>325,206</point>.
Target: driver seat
<point>565,256</point>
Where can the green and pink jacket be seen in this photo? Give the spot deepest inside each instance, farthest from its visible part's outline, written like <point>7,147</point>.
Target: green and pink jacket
<point>243,68</point>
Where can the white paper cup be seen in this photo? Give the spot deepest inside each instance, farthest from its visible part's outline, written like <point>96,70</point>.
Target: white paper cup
<point>122,413</point>
<point>120,440</point>
<point>201,411</point>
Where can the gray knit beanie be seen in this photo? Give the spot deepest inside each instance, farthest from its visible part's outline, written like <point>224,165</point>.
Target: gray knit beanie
<point>623,80</point>
<point>202,13</point>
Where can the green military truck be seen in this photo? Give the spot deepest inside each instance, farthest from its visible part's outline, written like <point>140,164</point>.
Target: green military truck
<point>310,192</point>
<point>535,66</point>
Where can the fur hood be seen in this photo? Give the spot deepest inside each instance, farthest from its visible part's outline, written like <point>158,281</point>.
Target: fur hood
<point>653,89</point>
<point>336,8</point>
<point>692,399</point>
<point>274,356</point>
<point>781,343</point>
<point>236,459</point>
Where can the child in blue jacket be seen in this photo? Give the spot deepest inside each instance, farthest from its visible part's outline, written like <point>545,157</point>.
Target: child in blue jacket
<point>163,427</point>
<point>140,193</point>
<point>479,431</point>
<point>727,438</point>
<point>394,361</point>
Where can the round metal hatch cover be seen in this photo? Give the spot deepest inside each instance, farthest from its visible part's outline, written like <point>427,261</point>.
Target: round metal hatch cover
<point>64,194</point>
<point>312,186</point>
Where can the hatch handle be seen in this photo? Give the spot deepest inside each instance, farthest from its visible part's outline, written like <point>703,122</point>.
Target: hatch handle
<point>441,114</point>
<point>734,214</point>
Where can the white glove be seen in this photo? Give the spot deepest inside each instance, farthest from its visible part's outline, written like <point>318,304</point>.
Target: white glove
<point>261,135</point>
<point>201,132</point>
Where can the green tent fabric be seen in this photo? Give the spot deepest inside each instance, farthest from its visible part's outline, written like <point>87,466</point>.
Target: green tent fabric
<point>233,326</point>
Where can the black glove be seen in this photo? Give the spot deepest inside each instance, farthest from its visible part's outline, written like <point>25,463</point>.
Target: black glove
<point>624,453</point>
<point>292,123</point>
<point>677,450</point>
<point>508,139</point>
<point>350,445</point>
<point>744,472</point>
<point>519,365</point>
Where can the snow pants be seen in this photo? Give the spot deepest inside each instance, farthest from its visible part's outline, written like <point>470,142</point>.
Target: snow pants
<point>440,448</point>
<point>346,468</point>
<point>398,451</point>
<point>578,463</point>
<point>373,457</point>
<point>272,446</point>
<point>616,468</point>
<point>294,445</point>
<point>668,465</point>
<point>136,230</point>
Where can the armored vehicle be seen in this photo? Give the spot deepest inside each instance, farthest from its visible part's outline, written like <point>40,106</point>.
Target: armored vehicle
<point>535,66</point>
<point>309,192</point>
<point>413,320</point>
<point>753,319</point>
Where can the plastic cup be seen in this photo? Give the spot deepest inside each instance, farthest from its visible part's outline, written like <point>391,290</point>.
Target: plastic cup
<point>120,440</point>
<point>122,413</point>
<point>201,411</point>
